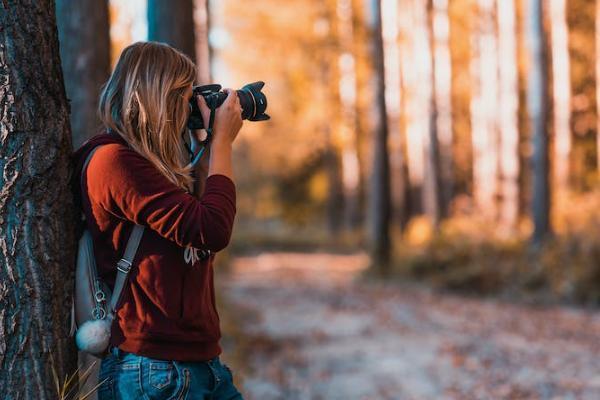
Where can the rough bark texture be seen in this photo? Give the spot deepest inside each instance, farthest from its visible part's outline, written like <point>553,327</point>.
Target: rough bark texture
<point>172,22</point>
<point>37,217</point>
<point>538,111</point>
<point>85,55</point>
<point>379,194</point>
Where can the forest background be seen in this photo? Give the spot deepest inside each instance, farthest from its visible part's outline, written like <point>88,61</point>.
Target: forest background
<point>452,143</point>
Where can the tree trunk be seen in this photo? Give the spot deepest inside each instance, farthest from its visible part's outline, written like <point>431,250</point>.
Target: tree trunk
<point>399,180</point>
<point>172,22</point>
<point>379,194</point>
<point>85,55</point>
<point>432,192</point>
<point>442,81</point>
<point>538,112</point>
<point>203,48</point>
<point>415,102</point>
<point>561,74</point>
<point>509,109</point>
<point>484,109</point>
<point>37,217</point>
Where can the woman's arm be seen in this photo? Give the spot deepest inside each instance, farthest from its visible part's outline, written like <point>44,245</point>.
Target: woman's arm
<point>227,124</point>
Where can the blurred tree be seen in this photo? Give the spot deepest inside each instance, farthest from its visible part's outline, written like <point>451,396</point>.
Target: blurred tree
<point>37,217</point>
<point>462,17</point>
<point>172,22</point>
<point>203,48</point>
<point>538,110</point>
<point>85,56</point>
<point>432,193</point>
<point>509,109</point>
<point>484,111</point>
<point>415,103</point>
<point>441,95</point>
<point>379,193</point>
<point>400,192</point>
<point>561,82</point>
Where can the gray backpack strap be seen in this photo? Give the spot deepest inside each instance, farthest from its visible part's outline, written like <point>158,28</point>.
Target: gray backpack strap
<point>124,266</point>
<point>125,263</point>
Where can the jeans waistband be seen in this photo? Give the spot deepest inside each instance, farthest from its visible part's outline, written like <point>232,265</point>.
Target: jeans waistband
<point>118,353</point>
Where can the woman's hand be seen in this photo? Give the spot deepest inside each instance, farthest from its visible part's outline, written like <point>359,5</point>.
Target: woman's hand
<point>228,118</point>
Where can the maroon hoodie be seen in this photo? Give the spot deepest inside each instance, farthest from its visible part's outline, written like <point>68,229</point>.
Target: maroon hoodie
<point>167,310</point>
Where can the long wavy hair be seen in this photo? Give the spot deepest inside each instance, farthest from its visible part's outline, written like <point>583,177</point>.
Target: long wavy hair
<point>144,102</point>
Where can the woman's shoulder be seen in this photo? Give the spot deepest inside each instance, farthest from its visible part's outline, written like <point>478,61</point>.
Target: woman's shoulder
<point>116,155</point>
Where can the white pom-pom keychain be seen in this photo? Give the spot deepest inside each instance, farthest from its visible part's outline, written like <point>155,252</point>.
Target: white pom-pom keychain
<point>93,336</point>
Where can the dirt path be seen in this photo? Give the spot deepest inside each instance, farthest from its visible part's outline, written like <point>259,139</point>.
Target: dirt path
<point>316,334</point>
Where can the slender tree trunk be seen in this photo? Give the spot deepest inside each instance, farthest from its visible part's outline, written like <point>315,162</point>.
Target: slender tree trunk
<point>203,48</point>
<point>432,192</point>
<point>379,194</point>
<point>172,22</point>
<point>415,81</point>
<point>561,72</point>
<point>484,112</point>
<point>509,109</point>
<point>37,217</point>
<point>442,62</point>
<point>538,111</point>
<point>399,180</point>
<point>85,55</point>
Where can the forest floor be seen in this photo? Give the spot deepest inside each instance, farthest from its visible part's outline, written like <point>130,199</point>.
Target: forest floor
<point>309,329</point>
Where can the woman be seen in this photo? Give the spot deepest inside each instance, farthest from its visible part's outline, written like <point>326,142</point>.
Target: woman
<point>165,337</point>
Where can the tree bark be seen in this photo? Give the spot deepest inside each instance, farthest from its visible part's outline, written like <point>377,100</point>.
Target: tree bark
<point>37,216</point>
<point>538,112</point>
<point>85,55</point>
<point>379,195</point>
<point>172,22</point>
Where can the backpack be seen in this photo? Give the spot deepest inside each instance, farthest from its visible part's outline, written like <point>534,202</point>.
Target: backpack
<point>94,305</point>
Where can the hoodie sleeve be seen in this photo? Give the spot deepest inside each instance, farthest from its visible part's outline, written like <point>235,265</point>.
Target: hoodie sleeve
<point>127,185</point>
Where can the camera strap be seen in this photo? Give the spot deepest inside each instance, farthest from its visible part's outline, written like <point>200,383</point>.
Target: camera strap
<point>212,105</point>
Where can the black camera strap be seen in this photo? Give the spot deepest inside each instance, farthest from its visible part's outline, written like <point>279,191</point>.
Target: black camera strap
<point>212,105</point>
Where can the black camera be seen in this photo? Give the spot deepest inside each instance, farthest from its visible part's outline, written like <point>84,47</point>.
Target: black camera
<point>252,101</point>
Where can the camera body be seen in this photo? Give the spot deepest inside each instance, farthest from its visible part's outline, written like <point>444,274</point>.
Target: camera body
<point>252,100</point>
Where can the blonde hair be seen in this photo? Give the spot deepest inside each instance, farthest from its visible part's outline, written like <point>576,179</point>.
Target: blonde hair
<point>144,102</point>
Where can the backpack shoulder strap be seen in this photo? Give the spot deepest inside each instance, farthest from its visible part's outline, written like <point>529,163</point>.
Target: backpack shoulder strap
<point>124,264</point>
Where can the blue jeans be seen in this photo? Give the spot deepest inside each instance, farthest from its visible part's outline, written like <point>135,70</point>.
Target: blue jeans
<point>127,376</point>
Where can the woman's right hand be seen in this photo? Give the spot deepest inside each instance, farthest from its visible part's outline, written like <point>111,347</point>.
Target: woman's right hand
<point>228,118</point>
